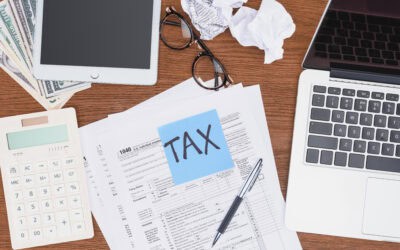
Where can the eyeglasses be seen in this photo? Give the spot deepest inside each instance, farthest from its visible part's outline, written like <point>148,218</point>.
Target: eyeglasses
<point>177,34</point>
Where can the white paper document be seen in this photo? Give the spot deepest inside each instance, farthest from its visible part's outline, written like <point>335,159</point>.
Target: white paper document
<point>138,206</point>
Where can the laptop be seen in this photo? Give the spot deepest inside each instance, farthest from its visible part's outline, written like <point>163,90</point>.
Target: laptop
<point>345,164</point>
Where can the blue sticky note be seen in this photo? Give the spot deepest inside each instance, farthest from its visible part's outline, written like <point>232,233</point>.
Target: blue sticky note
<point>195,147</point>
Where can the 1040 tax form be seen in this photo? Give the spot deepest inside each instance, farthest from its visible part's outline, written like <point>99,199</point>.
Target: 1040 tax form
<point>133,186</point>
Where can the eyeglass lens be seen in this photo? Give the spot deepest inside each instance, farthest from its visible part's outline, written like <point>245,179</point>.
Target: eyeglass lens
<point>176,32</point>
<point>208,72</point>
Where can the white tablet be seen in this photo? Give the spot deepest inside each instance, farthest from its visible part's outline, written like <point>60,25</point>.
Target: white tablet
<point>97,41</point>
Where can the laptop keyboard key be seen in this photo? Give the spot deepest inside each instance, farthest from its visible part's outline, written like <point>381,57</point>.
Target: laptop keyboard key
<point>394,122</point>
<point>332,101</point>
<point>388,108</point>
<point>315,141</point>
<point>398,109</point>
<point>312,155</point>
<point>334,91</point>
<point>346,103</point>
<point>383,163</point>
<point>318,100</point>
<point>378,95</point>
<point>352,117</point>
<point>398,150</point>
<point>363,93</point>
<point>359,146</point>
<point>326,157</point>
<point>387,149</point>
<point>380,121</point>
<point>345,145</point>
<point>320,114</point>
<point>319,89</point>
<point>366,119</point>
<point>354,132</point>
<point>338,116</point>
<point>374,106</point>
<point>392,97</point>
<point>374,148</point>
<point>340,159</point>
<point>340,130</point>
<point>356,161</point>
<point>382,135</point>
<point>360,105</point>
<point>395,136</point>
<point>320,128</point>
<point>368,133</point>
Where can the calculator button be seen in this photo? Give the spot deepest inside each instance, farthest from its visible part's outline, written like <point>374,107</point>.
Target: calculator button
<point>36,234</point>
<point>28,180</point>
<point>15,182</point>
<point>13,171</point>
<point>57,177</point>
<point>22,235</point>
<point>73,187</point>
<point>34,220</point>
<point>76,215</point>
<point>70,162</point>
<point>27,169</point>
<point>48,219</point>
<point>32,207</point>
<point>59,189</point>
<point>17,195</point>
<point>78,227</point>
<point>60,203</point>
<point>75,202</point>
<point>63,224</point>
<point>21,222</point>
<point>55,164</point>
<point>50,232</point>
<point>30,194</point>
<point>70,175</point>
<point>47,205</point>
<point>41,167</point>
<point>20,209</point>
<point>44,191</point>
<point>42,179</point>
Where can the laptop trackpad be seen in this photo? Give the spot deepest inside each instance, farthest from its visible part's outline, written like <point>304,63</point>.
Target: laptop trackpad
<point>381,208</point>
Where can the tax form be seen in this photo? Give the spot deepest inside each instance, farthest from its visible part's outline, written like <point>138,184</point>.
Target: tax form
<point>161,215</point>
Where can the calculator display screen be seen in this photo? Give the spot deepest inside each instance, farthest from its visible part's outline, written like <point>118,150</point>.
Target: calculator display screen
<point>37,137</point>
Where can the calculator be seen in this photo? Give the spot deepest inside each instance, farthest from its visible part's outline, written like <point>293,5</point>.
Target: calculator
<point>44,180</point>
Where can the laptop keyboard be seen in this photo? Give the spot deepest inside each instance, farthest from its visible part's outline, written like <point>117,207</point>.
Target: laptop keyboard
<point>357,37</point>
<point>352,128</point>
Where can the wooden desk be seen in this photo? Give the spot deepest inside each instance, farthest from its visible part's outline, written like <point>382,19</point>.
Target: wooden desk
<point>245,64</point>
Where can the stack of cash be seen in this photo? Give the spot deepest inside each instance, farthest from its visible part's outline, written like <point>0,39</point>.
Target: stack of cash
<point>17,24</point>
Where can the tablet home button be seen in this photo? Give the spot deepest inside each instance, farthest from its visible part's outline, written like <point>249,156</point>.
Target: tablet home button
<point>94,75</point>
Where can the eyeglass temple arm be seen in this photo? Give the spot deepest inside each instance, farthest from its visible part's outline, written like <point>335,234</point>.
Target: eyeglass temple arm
<point>172,23</point>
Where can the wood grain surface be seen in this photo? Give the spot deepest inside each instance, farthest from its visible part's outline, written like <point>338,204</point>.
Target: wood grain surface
<point>245,64</point>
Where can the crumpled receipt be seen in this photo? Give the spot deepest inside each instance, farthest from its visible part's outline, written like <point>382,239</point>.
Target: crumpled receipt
<point>210,17</point>
<point>266,28</point>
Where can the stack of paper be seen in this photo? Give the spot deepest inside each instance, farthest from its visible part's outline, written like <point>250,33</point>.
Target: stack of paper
<point>17,24</point>
<point>135,200</point>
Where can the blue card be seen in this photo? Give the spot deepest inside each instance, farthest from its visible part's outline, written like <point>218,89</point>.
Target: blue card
<point>195,147</point>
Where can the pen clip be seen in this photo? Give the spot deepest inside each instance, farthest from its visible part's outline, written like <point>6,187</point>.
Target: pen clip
<point>253,181</point>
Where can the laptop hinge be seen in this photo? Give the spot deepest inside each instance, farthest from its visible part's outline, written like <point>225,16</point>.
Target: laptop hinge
<point>365,73</point>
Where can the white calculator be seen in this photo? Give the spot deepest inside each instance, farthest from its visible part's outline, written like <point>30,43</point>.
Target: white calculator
<point>44,179</point>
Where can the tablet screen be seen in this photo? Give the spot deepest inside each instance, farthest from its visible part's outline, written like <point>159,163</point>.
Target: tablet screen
<point>97,33</point>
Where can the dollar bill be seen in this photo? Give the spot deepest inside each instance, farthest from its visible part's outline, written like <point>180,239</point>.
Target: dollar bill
<point>13,31</point>
<point>19,16</point>
<point>10,68</point>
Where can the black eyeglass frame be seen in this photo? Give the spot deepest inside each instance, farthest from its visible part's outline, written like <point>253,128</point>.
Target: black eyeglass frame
<point>194,38</point>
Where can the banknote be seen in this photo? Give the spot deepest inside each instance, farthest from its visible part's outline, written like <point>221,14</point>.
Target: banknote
<point>13,31</point>
<point>48,103</point>
<point>19,16</point>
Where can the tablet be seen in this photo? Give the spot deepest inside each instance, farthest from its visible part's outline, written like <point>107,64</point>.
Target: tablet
<point>97,41</point>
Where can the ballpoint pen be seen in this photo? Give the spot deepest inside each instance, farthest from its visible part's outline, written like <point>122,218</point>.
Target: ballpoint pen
<point>248,185</point>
